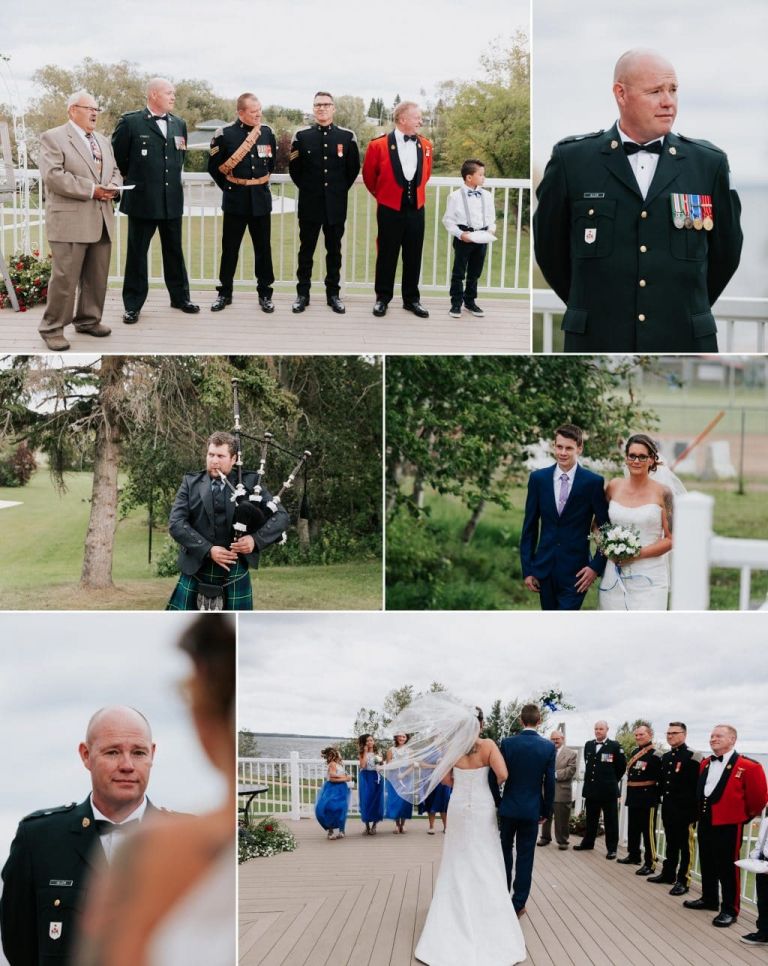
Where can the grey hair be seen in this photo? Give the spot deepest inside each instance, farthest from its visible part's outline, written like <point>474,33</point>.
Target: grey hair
<point>74,98</point>
<point>401,109</point>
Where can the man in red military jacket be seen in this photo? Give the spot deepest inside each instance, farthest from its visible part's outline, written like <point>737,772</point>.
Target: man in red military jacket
<point>732,790</point>
<point>396,169</point>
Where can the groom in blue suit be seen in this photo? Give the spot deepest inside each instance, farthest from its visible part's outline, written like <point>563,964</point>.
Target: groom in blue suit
<point>561,504</point>
<point>526,801</point>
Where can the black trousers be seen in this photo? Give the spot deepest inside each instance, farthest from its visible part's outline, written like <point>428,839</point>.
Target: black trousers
<point>233,229</point>
<point>679,849</point>
<point>521,834</point>
<point>468,259</point>
<point>399,230</point>
<point>761,889</point>
<point>136,282</point>
<point>610,810</point>
<point>309,232</point>
<point>641,827</point>
<point>719,847</point>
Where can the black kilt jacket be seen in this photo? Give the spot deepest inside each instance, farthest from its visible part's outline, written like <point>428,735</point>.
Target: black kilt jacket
<point>152,163</point>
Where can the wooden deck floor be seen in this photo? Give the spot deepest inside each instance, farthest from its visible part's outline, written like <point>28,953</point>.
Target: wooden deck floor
<point>242,328</point>
<point>362,901</point>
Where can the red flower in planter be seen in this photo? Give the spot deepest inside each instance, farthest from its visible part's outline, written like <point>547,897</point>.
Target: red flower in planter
<point>269,828</point>
<point>37,282</point>
<point>19,265</point>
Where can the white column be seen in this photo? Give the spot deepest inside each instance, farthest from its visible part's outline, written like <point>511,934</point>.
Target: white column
<point>690,557</point>
<point>295,787</point>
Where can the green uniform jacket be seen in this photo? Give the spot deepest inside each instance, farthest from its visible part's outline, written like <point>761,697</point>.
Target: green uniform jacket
<point>151,162</point>
<point>44,883</point>
<point>631,280</point>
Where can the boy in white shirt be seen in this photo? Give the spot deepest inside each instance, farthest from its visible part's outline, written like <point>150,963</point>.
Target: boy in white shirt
<point>469,209</point>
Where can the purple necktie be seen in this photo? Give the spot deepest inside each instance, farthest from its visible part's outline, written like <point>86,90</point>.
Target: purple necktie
<point>561,500</point>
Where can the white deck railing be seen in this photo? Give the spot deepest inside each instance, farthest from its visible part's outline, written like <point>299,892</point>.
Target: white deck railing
<point>698,549</point>
<point>741,322</point>
<point>505,270</point>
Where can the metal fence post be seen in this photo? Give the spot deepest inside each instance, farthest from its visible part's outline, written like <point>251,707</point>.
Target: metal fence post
<point>691,555</point>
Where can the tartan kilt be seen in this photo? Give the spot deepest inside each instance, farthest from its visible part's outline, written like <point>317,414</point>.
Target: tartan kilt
<point>238,593</point>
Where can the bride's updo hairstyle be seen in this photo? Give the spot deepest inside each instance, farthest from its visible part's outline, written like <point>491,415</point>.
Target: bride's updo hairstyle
<point>653,451</point>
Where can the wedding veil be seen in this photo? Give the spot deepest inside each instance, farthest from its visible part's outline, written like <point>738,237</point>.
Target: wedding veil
<point>441,730</point>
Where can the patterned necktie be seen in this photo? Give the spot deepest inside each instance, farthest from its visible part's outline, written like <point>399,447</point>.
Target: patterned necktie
<point>95,151</point>
<point>561,500</point>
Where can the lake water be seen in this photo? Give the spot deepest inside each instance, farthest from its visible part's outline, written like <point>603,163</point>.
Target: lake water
<point>281,746</point>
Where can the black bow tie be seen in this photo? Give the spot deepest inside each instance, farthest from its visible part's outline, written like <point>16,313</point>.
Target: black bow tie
<point>410,137</point>
<point>159,117</point>
<point>716,758</point>
<point>653,148</point>
<point>470,193</point>
<point>103,826</point>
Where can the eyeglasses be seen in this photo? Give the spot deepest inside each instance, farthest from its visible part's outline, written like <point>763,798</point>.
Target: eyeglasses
<point>85,107</point>
<point>635,458</point>
<point>323,106</point>
<point>675,732</point>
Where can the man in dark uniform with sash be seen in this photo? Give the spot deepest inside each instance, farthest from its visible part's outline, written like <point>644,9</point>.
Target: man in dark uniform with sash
<point>242,159</point>
<point>323,165</point>
<point>642,797</point>
<point>679,779</point>
<point>211,562</point>
<point>604,765</point>
<point>637,229</point>
<point>56,850</point>
<point>396,169</point>
<point>150,147</point>
<point>732,790</point>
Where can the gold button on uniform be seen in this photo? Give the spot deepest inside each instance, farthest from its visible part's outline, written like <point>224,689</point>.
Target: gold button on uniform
<point>673,150</point>
<point>591,211</point>
<point>643,214</point>
<point>641,318</point>
<point>57,902</point>
<point>643,248</point>
<point>642,283</point>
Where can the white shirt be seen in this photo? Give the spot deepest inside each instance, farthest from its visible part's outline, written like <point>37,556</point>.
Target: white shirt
<point>408,155</point>
<point>556,480</point>
<point>642,163</point>
<point>113,839</point>
<point>481,211</point>
<point>716,769</point>
<point>163,125</point>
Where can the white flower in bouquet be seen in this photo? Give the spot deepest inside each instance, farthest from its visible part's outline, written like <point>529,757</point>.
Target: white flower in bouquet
<point>619,543</point>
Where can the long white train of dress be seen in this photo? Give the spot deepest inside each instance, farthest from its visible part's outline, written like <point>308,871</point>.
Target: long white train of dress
<point>471,919</point>
<point>644,584</point>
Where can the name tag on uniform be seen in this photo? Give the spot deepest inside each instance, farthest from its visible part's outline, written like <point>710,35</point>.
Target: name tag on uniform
<point>606,756</point>
<point>54,930</point>
<point>61,882</point>
<point>180,142</point>
<point>590,234</point>
<point>594,194</point>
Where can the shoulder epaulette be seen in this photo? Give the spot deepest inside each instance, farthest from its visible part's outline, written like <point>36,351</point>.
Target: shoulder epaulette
<point>44,812</point>
<point>701,143</point>
<point>747,758</point>
<point>133,113</point>
<point>268,128</point>
<point>581,137</point>
<point>348,130</point>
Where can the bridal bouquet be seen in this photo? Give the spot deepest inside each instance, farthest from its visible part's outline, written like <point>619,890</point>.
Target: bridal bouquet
<point>617,542</point>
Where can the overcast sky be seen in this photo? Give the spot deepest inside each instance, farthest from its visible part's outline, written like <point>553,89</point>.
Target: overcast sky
<point>282,52</point>
<point>56,670</point>
<point>718,50</point>
<point>310,674</point>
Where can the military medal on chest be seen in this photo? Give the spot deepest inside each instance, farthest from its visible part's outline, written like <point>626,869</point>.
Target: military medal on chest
<point>706,207</point>
<point>698,222</point>
<point>678,215</point>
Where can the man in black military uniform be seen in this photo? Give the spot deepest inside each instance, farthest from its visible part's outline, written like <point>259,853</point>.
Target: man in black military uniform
<point>323,165</point>
<point>55,850</point>
<point>637,229</point>
<point>150,146</point>
<point>604,765</point>
<point>679,778</point>
<point>643,779</point>
<point>201,519</point>
<point>241,161</point>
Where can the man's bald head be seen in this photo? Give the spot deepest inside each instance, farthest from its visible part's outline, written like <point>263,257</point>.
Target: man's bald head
<point>161,95</point>
<point>116,716</point>
<point>645,88</point>
<point>632,62</point>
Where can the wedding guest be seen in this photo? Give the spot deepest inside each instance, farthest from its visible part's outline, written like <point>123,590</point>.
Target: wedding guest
<point>397,808</point>
<point>332,803</point>
<point>371,784</point>
<point>760,852</point>
<point>566,761</point>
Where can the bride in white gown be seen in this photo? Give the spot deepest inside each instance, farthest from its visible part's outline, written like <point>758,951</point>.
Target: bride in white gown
<point>641,583</point>
<point>471,919</point>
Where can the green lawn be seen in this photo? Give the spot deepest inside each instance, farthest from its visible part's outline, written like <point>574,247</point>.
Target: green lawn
<point>428,567</point>
<point>41,543</point>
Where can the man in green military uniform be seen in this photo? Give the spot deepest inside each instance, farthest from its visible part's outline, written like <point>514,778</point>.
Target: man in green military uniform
<point>637,229</point>
<point>150,146</point>
<point>55,850</point>
<point>241,161</point>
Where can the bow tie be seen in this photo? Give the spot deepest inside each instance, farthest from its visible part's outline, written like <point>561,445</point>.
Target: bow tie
<point>654,147</point>
<point>470,193</point>
<point>159,117</point>
<point>716,758</point>
<point>410,137</point>
<point>103,827</point>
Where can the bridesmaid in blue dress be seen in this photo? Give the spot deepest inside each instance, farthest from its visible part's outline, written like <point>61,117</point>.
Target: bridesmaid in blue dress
<point>436,803</point>
<point>332,803</point>
<point>370,783</point>
<point>395,807</point>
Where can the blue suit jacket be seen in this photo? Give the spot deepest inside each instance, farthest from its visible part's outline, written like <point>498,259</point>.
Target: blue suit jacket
<point>559,544</point>
<point>530,789</point>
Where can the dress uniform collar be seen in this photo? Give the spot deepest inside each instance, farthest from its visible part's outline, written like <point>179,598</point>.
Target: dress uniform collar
<point>324,127</point>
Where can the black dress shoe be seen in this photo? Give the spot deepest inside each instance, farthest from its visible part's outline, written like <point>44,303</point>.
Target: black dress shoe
<point>610,855</point>
<point>300,303</point>
<point>267,305</point>
<point>417,308</point>
<point>700,904</point>
<point>336,304</point>
<point>628,860</point>
<point>187,307</point>
<point>661,878</point>
<point>221,302</point>
<point>678,889</point>
<point>723,920</point>
<point>581,847</point>
<point>380,308</point>
<point>645,870</point>
<point>131,316</point>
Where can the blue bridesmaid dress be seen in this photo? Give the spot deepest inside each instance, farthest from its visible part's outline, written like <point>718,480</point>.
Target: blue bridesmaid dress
<point>332,803</point>
<point>371,792</point>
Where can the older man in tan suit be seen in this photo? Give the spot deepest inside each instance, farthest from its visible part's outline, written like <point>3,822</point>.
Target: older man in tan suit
<point>565,769</point>
<point>80,177</point>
